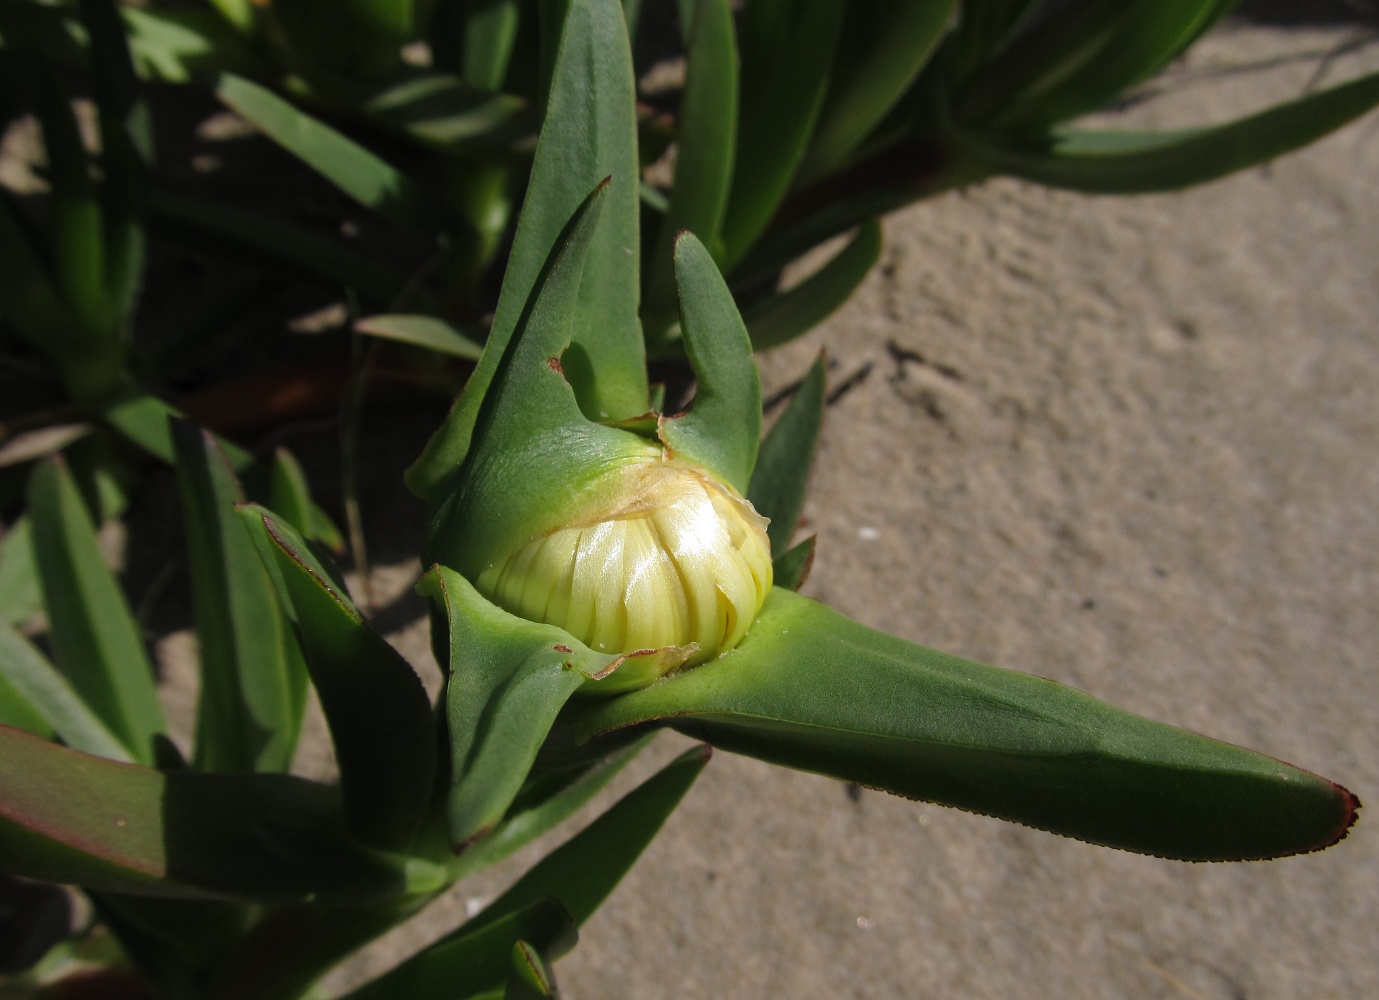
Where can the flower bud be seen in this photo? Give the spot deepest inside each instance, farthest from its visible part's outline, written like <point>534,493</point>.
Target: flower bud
<point>665,555</point>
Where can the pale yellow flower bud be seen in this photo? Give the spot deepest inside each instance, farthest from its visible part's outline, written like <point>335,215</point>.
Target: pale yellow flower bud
<point>669,556</point>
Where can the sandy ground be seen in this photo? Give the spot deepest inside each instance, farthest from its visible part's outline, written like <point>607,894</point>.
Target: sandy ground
<point>1125,443</point>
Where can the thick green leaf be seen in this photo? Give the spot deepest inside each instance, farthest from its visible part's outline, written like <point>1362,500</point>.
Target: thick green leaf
<point>784,47</point>
<point>534,451</point>
<point>1134,162</point>
<point>589,134</point>
<point>15,709</point>
<point>355,170</point>
<point>182,44</point>
<point>808,688</point>
<point>781,318</point>
<point>45,693</point>
<point>470,961</point>
<point>781,475</point>
<point>543,803</point>
<point>722,429</point>
<point>791,568</point>
<point>20,598</point>
<point>529,977</point>
<point>94,636</point>
<point>882,50</point>
<point>705,152</point>
<point>245,233</point>
<point>289,497</point>
<point>145,420</point>
<point>508,680</point>
<point>422,331</point>
<point>66,816</point>
<point>379,715</point>
<point>581,872</point>
<point>253,678</point>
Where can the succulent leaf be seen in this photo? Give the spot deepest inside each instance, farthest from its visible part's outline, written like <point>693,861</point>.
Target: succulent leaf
<point>812,690</point>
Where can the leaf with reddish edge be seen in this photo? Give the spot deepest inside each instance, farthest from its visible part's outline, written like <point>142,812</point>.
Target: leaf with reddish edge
<point>810,689</point>
<point>66,816</point>
<point>379,714</point>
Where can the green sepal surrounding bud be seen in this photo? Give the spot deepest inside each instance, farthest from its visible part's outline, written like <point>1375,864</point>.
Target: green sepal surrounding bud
<point>508,679</point>
<point>627,543</point>
<point>673,558</point>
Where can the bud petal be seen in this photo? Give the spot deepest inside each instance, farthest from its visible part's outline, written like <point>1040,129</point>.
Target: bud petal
<point>667,557</point>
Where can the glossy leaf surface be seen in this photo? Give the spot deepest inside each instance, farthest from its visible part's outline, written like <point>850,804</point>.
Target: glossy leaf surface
<point>379,715</point>
<point>95,638</point>
<point>786,455</point>
<point>810,689</point>
<point>589,134</point>
<point>722,429</point>
<point>253,679</point>
<point>468,962</point>
<point>793,313</point>
<point>1134,162</point>
<point>66,816</point>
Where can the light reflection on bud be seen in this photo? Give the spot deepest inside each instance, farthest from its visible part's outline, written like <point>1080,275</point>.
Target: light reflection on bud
<point>672,558</point>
